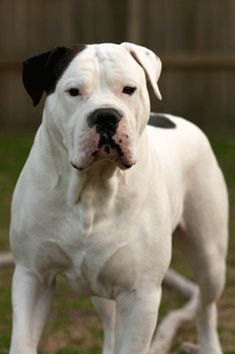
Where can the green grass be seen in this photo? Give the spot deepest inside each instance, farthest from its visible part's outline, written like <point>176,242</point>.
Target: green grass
<point>13,152</point>
<point>73,326</point>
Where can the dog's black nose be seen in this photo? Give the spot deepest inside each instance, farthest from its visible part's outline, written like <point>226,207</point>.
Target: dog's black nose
<point>104,119</point>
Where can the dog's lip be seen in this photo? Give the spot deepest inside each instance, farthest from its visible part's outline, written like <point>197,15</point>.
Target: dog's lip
<point>76,166</point>
<point>118,149</point>
<point>127,161</point>
<point>123,162</point>
<point>126,166</point>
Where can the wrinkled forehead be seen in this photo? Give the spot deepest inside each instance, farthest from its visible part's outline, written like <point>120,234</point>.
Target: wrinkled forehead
<point>103,59</point>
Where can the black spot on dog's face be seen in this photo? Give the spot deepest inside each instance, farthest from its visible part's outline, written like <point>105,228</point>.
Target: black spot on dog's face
<point>42,72</point>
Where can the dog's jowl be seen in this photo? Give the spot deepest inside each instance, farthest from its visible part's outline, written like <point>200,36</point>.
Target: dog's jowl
<point>102,193</point>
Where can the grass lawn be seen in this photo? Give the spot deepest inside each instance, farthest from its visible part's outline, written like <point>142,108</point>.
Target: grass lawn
<point>73,326</point>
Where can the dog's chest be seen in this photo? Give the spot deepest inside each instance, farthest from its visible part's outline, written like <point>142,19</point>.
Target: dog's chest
<point>97,204</point>
<point>96,242</point>
<point>90,234</point>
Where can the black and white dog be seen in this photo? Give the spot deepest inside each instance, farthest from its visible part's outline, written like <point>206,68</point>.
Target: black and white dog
<point>101,194</point>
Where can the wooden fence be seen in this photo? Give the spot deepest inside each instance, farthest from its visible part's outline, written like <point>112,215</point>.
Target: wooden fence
<point>194,38</point>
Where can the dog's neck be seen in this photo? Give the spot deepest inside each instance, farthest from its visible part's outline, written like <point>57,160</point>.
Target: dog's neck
<point>100,178</point>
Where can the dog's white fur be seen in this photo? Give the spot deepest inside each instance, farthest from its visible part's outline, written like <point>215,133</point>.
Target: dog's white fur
<point>106,228</point>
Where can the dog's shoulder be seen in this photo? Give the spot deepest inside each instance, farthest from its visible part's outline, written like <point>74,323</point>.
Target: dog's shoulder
<point>171,133</point>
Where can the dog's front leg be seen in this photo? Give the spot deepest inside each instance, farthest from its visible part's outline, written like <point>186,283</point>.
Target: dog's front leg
<point>31,302</point>
<point>136,319</point>
<point>107,311</point>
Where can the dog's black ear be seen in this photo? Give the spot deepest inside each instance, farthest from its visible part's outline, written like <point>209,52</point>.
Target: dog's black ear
<point>33,76</point>
<point>37,76</point>
<point>41,73</point>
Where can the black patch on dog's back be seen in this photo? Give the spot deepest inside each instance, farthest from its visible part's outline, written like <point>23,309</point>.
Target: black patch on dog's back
<point>42,72</point>
<point>161,121</point>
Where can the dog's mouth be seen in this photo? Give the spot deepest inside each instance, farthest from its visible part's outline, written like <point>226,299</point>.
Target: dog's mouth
<point>114,149</point>
<point>107,146</point>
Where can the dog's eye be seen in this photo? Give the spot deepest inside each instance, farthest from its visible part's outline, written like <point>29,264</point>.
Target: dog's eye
<point>74,92</point>
<point>128,90</point>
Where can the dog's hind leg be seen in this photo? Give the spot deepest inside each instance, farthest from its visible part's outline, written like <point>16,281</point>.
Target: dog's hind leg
<point>203,239</point>
<point>30,307</point>
<point>107,312</point>
<point>210,278</point>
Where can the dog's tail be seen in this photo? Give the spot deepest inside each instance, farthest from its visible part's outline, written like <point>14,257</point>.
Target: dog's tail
<point>170,324</point>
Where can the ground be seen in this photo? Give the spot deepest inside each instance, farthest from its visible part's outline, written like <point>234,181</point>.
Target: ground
<point>73,326</point>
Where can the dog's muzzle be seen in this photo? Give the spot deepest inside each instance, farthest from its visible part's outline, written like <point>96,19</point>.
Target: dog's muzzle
<point>107,139</point>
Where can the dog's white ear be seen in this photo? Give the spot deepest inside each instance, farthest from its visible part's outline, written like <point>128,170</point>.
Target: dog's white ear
<point>149,61</point>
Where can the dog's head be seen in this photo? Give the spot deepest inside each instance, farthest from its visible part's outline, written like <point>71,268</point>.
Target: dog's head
<point>97,98</point>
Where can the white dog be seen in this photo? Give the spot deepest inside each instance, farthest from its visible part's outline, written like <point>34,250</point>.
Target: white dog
<point>101,194</point>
